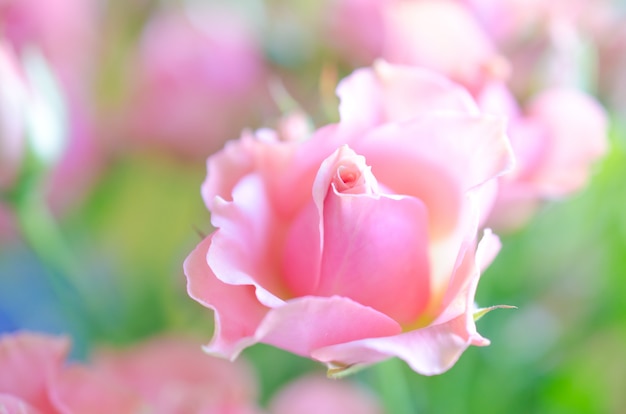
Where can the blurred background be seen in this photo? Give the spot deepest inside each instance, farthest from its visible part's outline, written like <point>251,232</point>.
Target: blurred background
<point>123,101</point>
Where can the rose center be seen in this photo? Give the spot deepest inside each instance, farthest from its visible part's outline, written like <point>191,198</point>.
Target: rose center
<point>348,177</point>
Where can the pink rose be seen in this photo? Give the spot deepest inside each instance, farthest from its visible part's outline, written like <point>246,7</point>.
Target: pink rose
<point>554,150</point>
<point>356,28</point>
<point>556,139</point>
<point>358,244</point>
<point>29,366</point>
<point>13,102</point>
<point>441,35</point>
<point>197,82</point>
<point>164,375</point>
<point>171,376</point>
<point>63,32</point>
<point>314,394</point>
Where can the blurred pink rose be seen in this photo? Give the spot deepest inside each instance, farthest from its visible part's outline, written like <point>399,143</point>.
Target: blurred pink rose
<point>197,82</point>
<point>556,139</point>
<point>170,376</point>
<point>314,394</point>
<point>13,102</point>
<point>29,365</point>
<point>549,43</point>
<point>356,28</point>
<point>164,375</point>
<point>441,35</point>
<point>64,32</point>
<point>461,40</point>
<point>358,244</point>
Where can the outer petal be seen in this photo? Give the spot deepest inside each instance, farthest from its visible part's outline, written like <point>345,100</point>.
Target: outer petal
<point>29,364</point>
<point>239,158</point>
<point>428,351</point>
<point>237,310</point>
<point>307,323</point>
<point>459,297</point>
<point>431,350</point>
<point>372,96</point>
<point>245,250</point>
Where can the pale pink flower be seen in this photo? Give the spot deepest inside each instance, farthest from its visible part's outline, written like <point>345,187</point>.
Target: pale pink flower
<point>197,82</point>
<point>313,394</point>
<point>444,36</point>
<point>356,245</point>
<point>441,35</point>
<point>63,32</point>
<point>169,376</point>
<point>357,28</point>
<point>29,366</point>
<point>164,375</point>
<point>557,138</point>
<point>13,103</point>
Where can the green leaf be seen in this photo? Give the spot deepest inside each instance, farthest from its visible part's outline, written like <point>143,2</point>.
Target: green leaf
<point>479,313</point>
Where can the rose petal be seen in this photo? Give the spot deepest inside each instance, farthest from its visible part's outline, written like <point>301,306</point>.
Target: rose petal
<point>307,323</point>
<point>428,158</point>
<point>244,251</point>
<point>237,310</point>
<point>375,252</point>
<point>240,158</point>
<point>371,96</point>
<point>302,257</point>
<point>428,351</point>
<point>434,349</point>
<point>460,294</point>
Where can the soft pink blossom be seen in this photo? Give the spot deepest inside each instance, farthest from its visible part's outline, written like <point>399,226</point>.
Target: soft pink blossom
<point>418,34</point>
<point>197,82</point>
<point>358,244</point>
<point>13,103</point>
<point>356,28</point>
<point>29,366</point>
<point>557,138</point>
<point>172,376</point>
<point>314,394</point>
<point>163,375</point>
<point>441,35</point>
<point>64,33</point>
